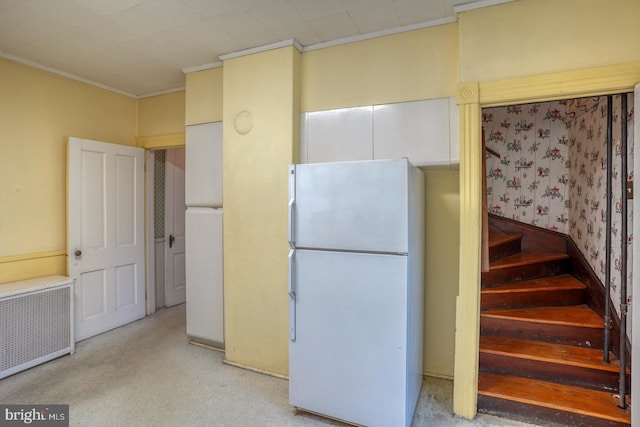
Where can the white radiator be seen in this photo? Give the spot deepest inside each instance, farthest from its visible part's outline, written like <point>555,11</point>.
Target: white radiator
<point>36,322</point>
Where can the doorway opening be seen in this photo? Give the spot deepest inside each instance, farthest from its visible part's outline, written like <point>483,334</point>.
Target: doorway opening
<point>165,215</point>
<point>548,182</point>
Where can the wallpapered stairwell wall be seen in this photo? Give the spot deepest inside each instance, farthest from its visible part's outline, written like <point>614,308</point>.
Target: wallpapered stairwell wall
<point>552,173</point>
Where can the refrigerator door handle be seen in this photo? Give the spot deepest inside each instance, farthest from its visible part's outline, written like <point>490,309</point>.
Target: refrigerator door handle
<point>292,293</point>
<point>292,319</point>
<point>292,297</point>
<point>292,204</point>
<point>292,254</point>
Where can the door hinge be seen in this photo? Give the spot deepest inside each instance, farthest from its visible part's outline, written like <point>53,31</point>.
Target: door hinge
<point>624,308</point>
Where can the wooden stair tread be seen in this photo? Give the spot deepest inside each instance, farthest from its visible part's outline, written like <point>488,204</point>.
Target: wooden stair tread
<point>547,352</point>
<point>538,351</point>
<point>578,315</point>
<point>496,239</point>
<point>526,258</point>
<point>577,400</point>
<point>560,282</point>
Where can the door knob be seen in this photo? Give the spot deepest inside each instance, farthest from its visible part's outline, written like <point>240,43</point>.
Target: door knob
<point>171,240</point>
<point>78,253</point>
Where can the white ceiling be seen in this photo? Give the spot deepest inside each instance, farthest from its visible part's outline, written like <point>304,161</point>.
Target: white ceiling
<point>139,47</point>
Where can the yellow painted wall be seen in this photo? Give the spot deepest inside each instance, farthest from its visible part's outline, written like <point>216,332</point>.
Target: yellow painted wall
<point>530,37</point>
<point>38,112</point>
<point>442,216</point>
<point>528,48</point>
<point>255,199</point>
<point>161,115</point>
<point>204,96</point>
<point>415,65</point>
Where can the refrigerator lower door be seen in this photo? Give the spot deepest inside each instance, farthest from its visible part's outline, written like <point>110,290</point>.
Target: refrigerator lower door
<point>204,275</point>
<point>349,359</point>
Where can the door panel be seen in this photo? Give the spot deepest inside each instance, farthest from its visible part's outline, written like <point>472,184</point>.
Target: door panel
<point>125,280</point>
<point>205,316</point>
<point>175,280</point>
<point>417,130</point>
<point>93,290</point>
<point>339,135</point>
<point>204,165</point>
<point>93,199</point>
<point>125,194</point>
<point>105,234</point>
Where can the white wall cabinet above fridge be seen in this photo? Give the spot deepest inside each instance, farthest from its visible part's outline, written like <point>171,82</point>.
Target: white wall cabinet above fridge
<point>426,132</point>
<point>337,135</point>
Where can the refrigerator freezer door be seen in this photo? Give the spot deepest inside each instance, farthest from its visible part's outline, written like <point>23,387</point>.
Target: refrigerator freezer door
<point>204,274</point>
<point>353,206</point>
<point>348,360</point>
<point>203,173</point>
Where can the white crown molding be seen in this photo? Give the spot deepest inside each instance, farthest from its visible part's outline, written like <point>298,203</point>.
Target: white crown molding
<point>161,92</point>
<point>64,74</point>
<point>82,79</point>
<point>277,45</point>
<point>380,33</point>
<point>478,5</point>
<point>292,42</point>
<point>202,67</point>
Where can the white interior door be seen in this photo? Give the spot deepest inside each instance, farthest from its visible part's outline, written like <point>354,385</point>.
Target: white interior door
<point>105,249</point>
<point>174,250</point>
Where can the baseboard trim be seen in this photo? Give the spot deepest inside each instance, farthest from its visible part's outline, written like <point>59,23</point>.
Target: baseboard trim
<point>252,369</point>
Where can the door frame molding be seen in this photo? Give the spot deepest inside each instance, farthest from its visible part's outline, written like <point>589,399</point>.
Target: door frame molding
<point>150,252</point>
<point>471,98</point>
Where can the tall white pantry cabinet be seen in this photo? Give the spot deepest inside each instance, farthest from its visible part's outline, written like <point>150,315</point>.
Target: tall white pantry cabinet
<point>203,197</point>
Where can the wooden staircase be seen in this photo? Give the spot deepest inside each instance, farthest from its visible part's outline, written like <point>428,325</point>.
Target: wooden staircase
<point>541,357</point>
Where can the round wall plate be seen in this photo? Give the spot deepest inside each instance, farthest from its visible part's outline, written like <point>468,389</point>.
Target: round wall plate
<point>243,122</point>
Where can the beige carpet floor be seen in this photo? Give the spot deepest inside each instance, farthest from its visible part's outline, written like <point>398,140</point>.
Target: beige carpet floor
<point>148,374</point>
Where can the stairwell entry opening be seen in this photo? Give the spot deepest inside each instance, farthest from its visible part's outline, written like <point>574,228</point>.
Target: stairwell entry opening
<point>557,253</point>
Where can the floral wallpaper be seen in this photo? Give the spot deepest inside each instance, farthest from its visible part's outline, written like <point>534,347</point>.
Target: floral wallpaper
<point>587,133</point>
<point>552,173</point>
<point>528,182</point>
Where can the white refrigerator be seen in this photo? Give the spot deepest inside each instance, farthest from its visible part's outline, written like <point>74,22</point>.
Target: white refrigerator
<point>356,277</point>
<point>203,233</point>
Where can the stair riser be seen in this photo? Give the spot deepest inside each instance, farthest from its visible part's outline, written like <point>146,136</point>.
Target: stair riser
<point>525,272</point>
<point>544,416</point>
<point>564,374</point>
<point>504,250</point>
<point>533,299</point>
<point>559,334</point>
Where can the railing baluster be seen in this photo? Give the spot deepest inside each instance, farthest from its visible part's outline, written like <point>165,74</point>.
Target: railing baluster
<point>623,253</point>
<point>607,279</point>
